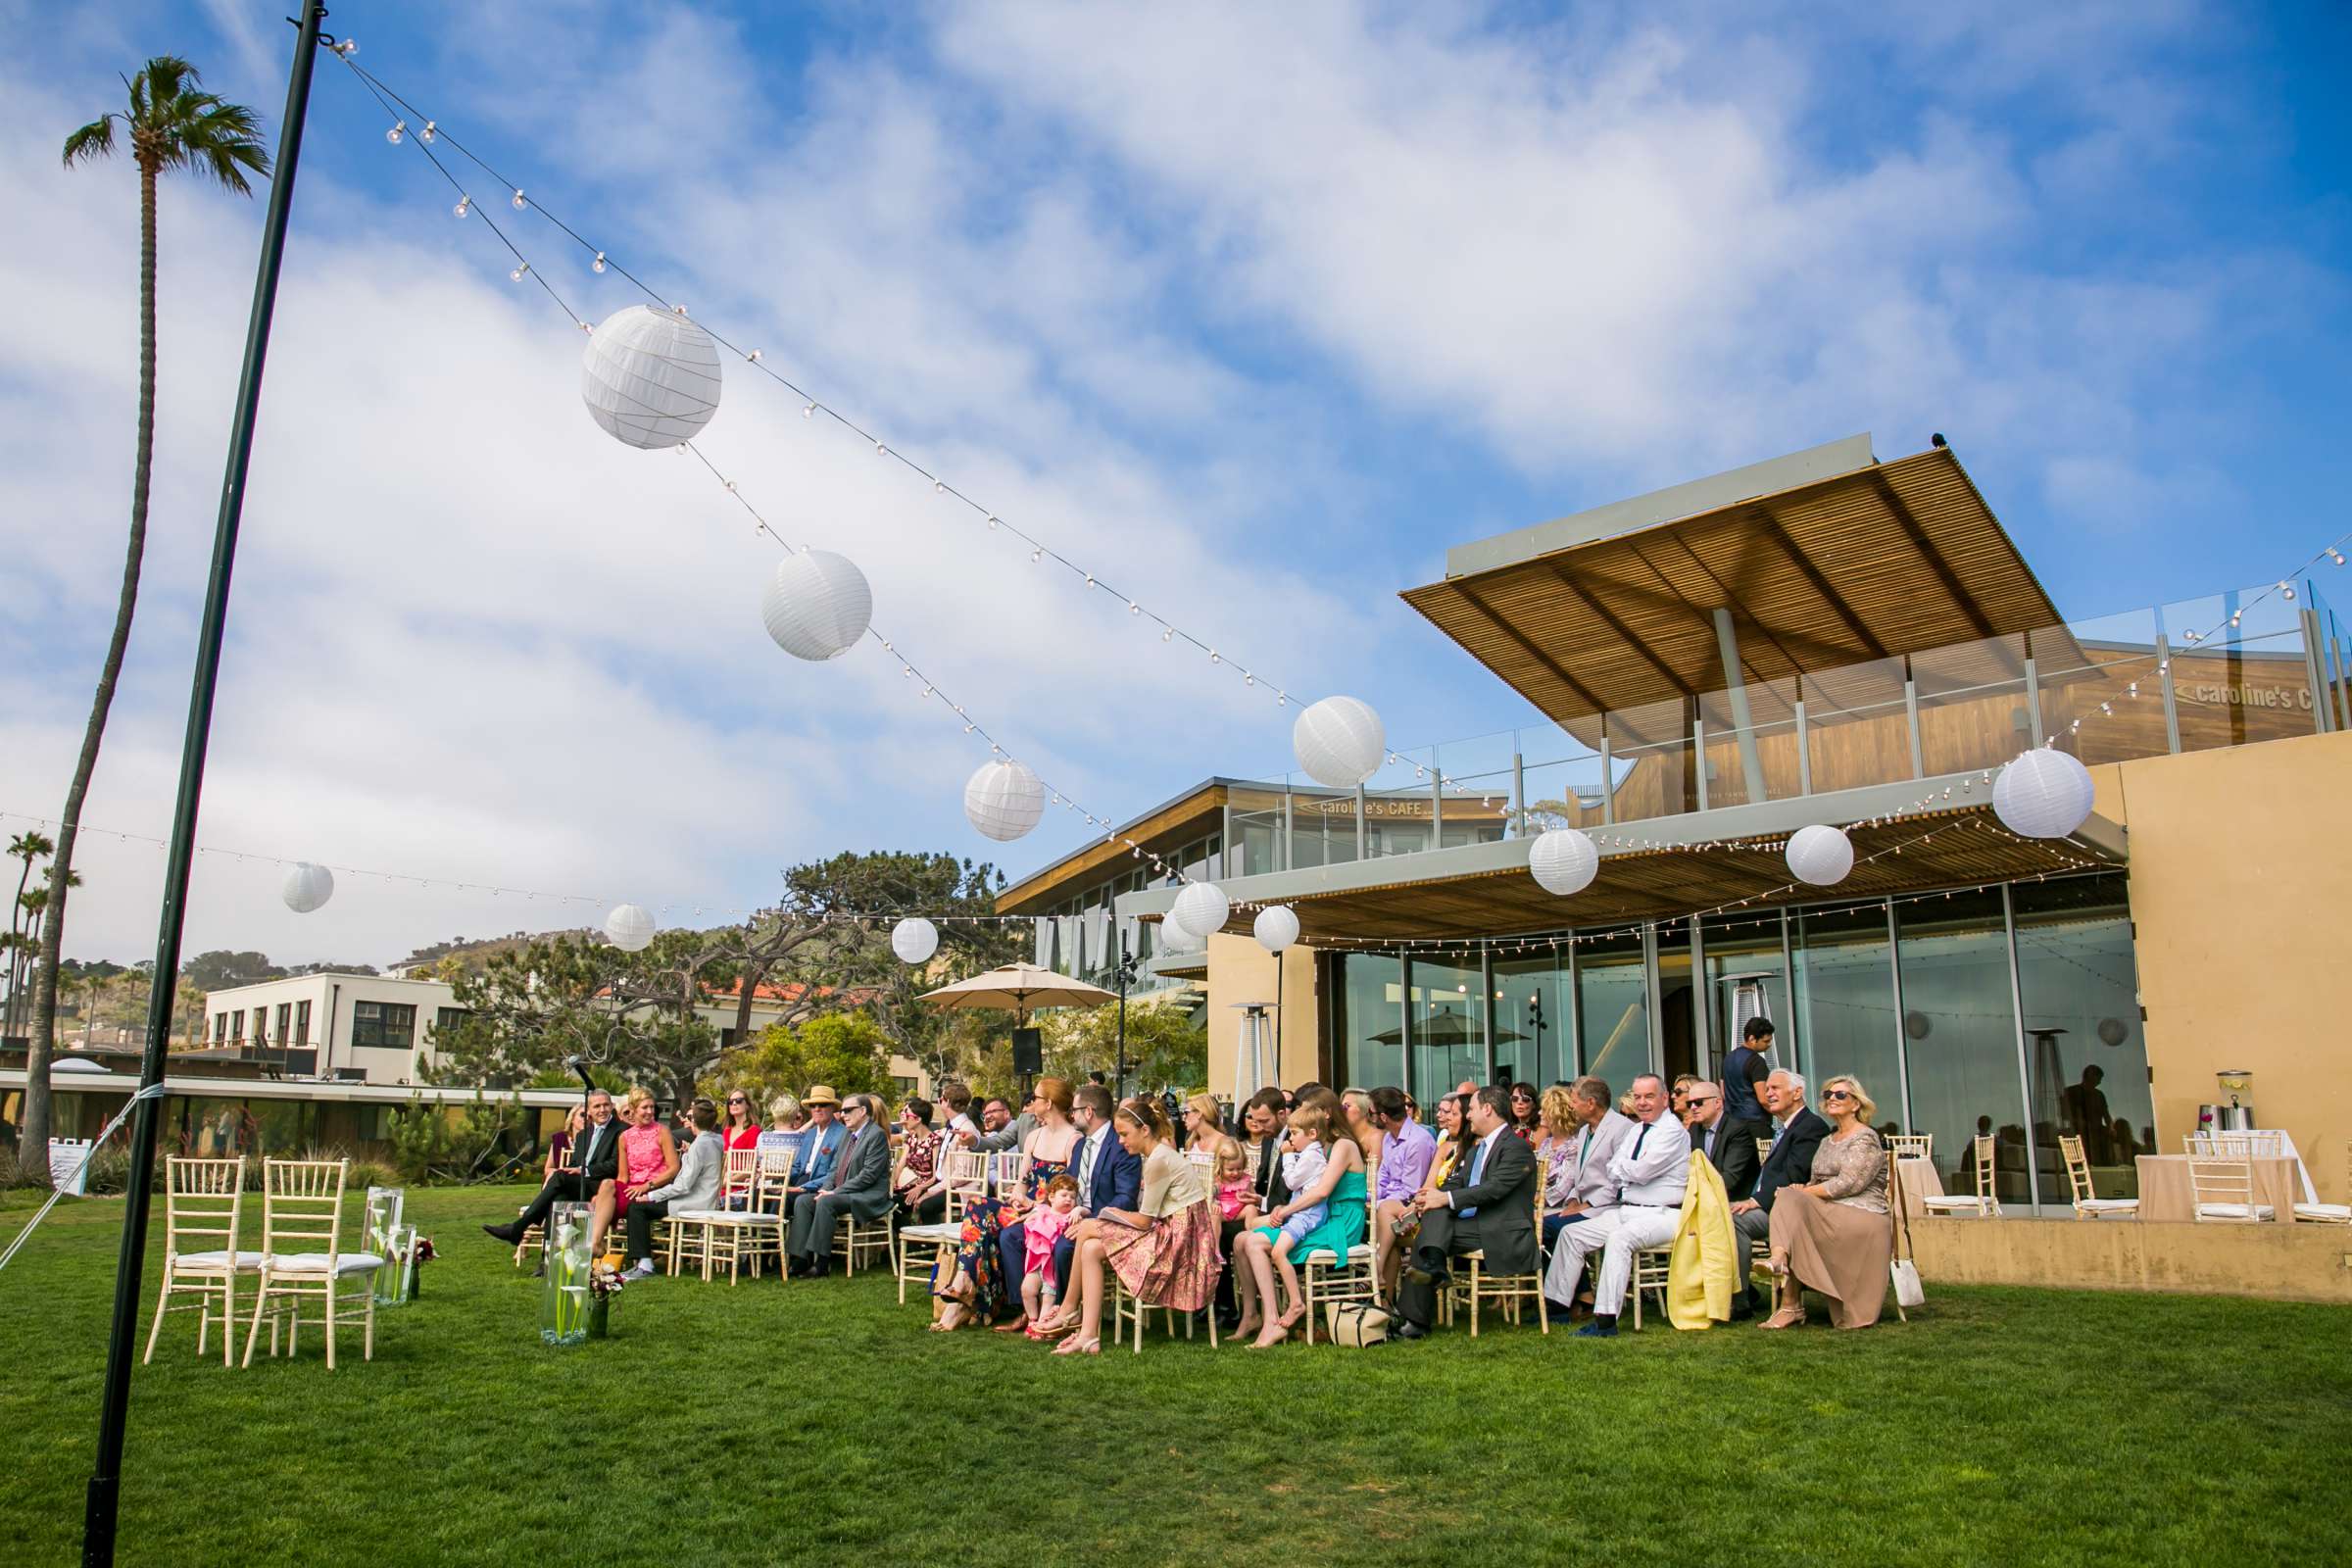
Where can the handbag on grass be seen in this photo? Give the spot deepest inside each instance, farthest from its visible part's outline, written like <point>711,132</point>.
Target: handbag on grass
<point>1358,1324</point>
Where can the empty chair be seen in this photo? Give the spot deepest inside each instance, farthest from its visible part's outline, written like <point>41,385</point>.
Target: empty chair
<point>303,1257</point>
<point>963,1177</point>
<point>202,1201</point>
<point>1983,1203</point>
<point>2330,1213</point>
<point>2225,1192</point>
<point>1911,1146</point>
<point>2087,1204</point>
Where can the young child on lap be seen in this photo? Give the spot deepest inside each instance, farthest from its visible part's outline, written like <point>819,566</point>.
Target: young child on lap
<point>1056,1212</point>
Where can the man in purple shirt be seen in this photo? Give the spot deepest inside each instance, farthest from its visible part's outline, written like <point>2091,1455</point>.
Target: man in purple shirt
<point>1405,1154</point>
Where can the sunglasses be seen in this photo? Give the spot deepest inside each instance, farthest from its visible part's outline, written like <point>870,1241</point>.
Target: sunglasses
<point>737,1099</point>
<point>1837,1093</point>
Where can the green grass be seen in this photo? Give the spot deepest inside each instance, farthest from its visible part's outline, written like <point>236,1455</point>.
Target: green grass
<point>789,1422</point>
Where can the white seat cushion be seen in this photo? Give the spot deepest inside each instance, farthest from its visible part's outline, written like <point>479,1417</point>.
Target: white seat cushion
<point>724,1216</point>
<point>2108,1205</point>
<point>216,1262</point>
<point>949,1234</point>
<point>1947,1203</point>
<point>2262,1211</point>
<point>315,1263</point>
<point>2325,1213</point>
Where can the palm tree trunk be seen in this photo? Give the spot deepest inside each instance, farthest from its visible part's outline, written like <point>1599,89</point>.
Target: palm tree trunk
<point>34,1139</point>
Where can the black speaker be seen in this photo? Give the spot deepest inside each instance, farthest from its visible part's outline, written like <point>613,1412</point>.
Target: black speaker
<point>1028,1050</point>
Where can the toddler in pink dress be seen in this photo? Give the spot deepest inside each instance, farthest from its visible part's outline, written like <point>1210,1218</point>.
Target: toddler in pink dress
<point>1056,1212</point>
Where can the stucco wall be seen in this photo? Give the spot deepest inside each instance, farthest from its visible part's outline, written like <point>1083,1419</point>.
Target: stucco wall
<point>1240,970</point>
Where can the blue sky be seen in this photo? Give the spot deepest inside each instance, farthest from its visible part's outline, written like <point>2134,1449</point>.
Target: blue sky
<point>1253,310</point>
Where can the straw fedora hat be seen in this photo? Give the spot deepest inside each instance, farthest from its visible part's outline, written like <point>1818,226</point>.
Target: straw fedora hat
<point>820,1095</point>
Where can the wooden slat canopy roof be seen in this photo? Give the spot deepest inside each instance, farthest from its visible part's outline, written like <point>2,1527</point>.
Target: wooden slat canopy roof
<point>1834,572</point>
<point>1962,847</point>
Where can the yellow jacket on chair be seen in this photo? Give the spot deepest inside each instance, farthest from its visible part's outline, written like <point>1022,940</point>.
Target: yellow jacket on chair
<point>1706,1264</point>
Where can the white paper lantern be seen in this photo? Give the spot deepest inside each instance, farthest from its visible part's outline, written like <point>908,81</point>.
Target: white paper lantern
<point>1004,800</point>
<point>1174,938</point>
<point>2042,793</point>
<point>1276,927</point>
<point>1340,742</point>
<point>1563,860</point>
<point>817,605</point>
<point>914,940</point>
<point>650,378</point>
<point>1202,910</point>
<point>307,887</point>
<point>1820,854</point>
<point>630,928</point>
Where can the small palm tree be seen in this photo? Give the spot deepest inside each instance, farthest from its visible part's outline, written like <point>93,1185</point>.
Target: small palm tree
<point>171,125</point>
<point>28,846</point>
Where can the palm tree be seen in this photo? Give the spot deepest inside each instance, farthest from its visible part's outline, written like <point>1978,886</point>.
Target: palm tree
<point>28,847</point>
<point>172,125</point>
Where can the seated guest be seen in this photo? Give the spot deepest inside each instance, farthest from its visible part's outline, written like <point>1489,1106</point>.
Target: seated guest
<point>1526,1117</point>
<point>1322,1164</point>
<point>974,1280</point>
<point>1108,1175</point>
<point>1454,1142</point>
<point>1488,1202</point>
<point>562,1148</point>
<point>786,1120</point>
<point>1204,1131</point>
<point>648,1158</point>
<point>1165,1249</point>
<point>598,1148</point>
<point>1001,1132</point>
<point>822,1144</point>
<point>1599,1134</point>
<point>1797,1132</point>
<point>1041,1230</point>
<point>1650,1175</point>
<point>860,1185</point>
<point>956,1100</point>
<point>1832,1234</point>
<point>1263,1118</point>
<point>741,1128</point>
<point>1678,1101</point>
<point>1355,1113</point>
<point>696,1186</point>
<point>920,1197</point>
<point>1407,1152</point>
<point>1558,1153</point>
<point>1728,1143</point>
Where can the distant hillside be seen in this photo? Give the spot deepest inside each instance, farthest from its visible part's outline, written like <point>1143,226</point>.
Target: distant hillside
<point>472,952</point>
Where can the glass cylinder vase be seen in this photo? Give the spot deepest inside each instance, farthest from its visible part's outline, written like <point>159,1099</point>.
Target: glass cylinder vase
<point>563,1301</point>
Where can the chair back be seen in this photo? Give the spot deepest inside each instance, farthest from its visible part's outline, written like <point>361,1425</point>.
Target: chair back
<point>962,1176</point>
<point>2230,1146</point>
<point>1007,1172</point>
<point>202,1201</point>
<point>2078,1166</point>
<point>302,1205</point>
<point>1983,1149</point>
<point>739,1176</point>
<point>2227,1183</point>
<point>1912,1146</point>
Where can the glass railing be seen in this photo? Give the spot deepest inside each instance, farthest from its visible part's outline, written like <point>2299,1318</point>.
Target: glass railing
<point>2179,677</point>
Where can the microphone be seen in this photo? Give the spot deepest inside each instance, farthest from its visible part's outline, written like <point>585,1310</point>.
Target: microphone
<point>579,1065</point>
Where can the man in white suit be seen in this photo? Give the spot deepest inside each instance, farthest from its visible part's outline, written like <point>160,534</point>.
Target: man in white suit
<point>1648,1175</point>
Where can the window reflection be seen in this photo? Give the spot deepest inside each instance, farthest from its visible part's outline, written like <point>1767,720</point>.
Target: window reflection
<point>1845,1001</point>
<point>2075,971</point>
<point>1960,1039</point>
<point>1612,1001</point>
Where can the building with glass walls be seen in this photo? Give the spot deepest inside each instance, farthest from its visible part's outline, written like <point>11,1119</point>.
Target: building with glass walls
<point>1820,638</point>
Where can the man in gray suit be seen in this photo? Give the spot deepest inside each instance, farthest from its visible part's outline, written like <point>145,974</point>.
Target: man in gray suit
<point>861,1187</point>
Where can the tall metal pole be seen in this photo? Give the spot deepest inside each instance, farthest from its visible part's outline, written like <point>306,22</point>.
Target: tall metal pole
<point>106,1476</point>
<point>1126,967</point>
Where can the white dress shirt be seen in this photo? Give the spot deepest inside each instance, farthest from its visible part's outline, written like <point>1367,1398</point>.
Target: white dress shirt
<point>1653,1167</point>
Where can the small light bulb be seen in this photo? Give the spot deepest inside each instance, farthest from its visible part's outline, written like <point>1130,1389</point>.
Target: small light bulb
<point>2286,593</point>
<point>1282,699</point>
<point>1169,634</point>
<point>2335,555</point>
<point>967,729</point>
<point>1036,555</point>
<point>430,134</point>
<point>348,47</point>
<point>1134,608</point>
<point>992,523</point>
<point>598,266</point>
<point>1249,679</point>
<point>464,205</point>
<point>881,451</point>
<point>519,203</point>
<point>398,133</point>
<point>926,691</point>
<point>1214,657</point>
<point>521,267</point>
<point>2234,617</point>
<point>809,413</point>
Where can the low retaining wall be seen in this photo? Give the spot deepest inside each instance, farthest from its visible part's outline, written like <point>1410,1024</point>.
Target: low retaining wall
<point>2276,1262</point>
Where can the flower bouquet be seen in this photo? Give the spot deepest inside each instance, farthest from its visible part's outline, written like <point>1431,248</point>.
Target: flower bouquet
<point>605,1282</point>
<point>564,1299</point>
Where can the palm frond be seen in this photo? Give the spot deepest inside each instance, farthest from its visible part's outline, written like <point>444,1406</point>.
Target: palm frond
<point>92,141</point>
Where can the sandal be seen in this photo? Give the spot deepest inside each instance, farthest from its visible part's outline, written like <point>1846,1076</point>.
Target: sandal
<point>1093,1346</point>
<point>1788,1317</point>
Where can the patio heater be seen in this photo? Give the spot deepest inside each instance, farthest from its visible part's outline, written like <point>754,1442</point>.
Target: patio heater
<point>1249,1049</point>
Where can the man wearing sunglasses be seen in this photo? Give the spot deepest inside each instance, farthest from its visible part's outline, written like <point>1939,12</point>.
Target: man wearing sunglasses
<point>1796,1134</point>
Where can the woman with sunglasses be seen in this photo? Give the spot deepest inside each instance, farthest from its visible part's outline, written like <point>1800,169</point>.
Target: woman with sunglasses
<point>1526,1113</point>
<point>742,1126</point>
<point>1833,1233</point>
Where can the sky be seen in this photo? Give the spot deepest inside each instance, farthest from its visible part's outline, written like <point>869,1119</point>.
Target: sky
<point>1251,311</point>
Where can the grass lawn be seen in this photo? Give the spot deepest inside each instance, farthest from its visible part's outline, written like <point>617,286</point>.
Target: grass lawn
<point>784,1422</point>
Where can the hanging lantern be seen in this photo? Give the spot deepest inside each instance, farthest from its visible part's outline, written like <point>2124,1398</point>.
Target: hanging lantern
<point>1563,860</point>
<point>1200,909</point>
<point>1004,800</point>
<point>1340,742</point>
<point>1276,927</point>
<point>2042,793</point>
<point>1174,938</point>
<point>817,605</point>
<point>630,928</point>
<point>307,887</point>
<point>2113,1032</point>
<point>1820,854</point>
<point>914,940</point>
<point>650,378</point>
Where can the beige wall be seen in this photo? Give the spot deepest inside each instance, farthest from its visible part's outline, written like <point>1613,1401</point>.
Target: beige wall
<point>2242,882</point>
<point>2282,1262</point>
<point>1240,970</point>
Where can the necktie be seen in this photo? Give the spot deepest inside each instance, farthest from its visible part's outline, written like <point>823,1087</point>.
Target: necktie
<point>1478,1168</point>
<point>1636,1154</point>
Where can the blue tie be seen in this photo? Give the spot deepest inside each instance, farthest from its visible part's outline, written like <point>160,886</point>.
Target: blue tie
<point>1478,1168</point>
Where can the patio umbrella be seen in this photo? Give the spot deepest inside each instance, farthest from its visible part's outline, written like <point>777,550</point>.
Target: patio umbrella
<point>1018,989</point>
<point>1449,1028</point>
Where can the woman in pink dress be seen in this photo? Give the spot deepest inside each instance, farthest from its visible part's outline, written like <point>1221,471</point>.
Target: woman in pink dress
<point>648,1158</point>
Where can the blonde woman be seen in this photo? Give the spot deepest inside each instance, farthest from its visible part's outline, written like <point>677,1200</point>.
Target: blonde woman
<point>648,1158</point>
<point>1833,1233</point>
<point>1556,1155</point>
<point>1361,1125</point>
<point>1204,1130</point>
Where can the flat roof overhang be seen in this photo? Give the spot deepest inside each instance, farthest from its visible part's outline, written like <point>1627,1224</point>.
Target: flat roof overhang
<point>1485,890</point>
<point>1823,561</point>
<point>326,1090</point>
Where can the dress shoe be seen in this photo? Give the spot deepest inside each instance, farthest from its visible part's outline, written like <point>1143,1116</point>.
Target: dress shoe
<point>1408,1331</point>
<point>1557,1312</point>
<point>510,1234</point>
<point>1598,1330</point>
<point>819,1267</point>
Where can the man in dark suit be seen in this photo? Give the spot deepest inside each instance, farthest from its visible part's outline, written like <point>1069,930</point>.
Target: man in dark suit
<point>860,1186</point>
<point>1729,1142</point>
<point>1488,1202</point>
<point>1261,1122</point>
<point>1108,1177</point>
<point>1796,1134</point>
<point>599,1161</point>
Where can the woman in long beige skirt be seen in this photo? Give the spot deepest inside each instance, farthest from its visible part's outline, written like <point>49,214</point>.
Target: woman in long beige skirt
<point>1834,1235</point>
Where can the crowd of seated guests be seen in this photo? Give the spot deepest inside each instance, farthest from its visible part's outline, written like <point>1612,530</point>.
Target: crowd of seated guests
<point>1224,1219</point>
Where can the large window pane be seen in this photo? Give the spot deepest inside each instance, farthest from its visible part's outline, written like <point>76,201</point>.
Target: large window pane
<point>1612,1009</point>
<point>1845,1002</point>
<point>1746,974</point>
<point>2090,1069</point>
<point>1531,1019</point>
<point>1367,1027</point>
<point>1449,1028</point>
<point>1960,1038</point>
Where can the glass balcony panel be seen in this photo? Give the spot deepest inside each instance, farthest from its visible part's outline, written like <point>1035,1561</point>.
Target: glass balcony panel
<point>1857,728</point>
<point>1974,710</point>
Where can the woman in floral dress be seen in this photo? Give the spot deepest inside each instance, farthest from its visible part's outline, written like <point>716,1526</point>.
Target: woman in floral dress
<point>970,1281</point>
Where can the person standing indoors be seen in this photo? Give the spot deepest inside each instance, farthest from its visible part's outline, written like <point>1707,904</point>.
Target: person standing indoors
<point>1745,1069</point>
<point>1797,1134</point>
<point>1488,1202</point>
<point>1650,1175</point>
<point>1832,1234</point>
